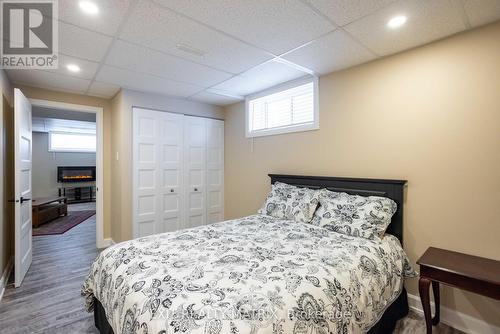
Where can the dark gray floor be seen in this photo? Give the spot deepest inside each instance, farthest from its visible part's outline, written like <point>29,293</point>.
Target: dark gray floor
<point>414,323</point>
<point>49,300</point>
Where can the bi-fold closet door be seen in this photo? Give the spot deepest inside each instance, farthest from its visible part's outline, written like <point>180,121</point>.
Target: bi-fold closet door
<point>178,171</point>
<point>158,155</point>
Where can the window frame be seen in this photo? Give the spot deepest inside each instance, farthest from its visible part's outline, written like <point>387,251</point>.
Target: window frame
<point>70,150</point>
<point>289,128</point>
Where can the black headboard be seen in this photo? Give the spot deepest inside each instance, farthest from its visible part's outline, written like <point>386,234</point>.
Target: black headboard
<point>392,189</point>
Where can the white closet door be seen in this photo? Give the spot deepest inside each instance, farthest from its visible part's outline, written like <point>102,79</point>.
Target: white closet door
<point>171,170</point>
<point>145,157</point>
<point>195,166</point>
<point>215,170</point>
<point>157,168</point>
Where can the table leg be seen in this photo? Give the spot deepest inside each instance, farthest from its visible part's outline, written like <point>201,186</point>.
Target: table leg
<point>34,217</point>
<point>66,204</point>
<point>423,289</point>
<point>435,291</point>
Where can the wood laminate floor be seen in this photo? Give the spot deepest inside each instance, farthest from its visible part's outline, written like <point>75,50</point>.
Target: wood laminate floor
<point>49,300</point>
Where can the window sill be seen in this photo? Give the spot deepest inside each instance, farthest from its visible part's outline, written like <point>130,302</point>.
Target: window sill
<point>281,131</point>
<point>71,151</point>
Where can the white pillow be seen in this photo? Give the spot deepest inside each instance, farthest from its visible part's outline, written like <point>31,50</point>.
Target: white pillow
<point>354,215</point>
<point>289,202</point>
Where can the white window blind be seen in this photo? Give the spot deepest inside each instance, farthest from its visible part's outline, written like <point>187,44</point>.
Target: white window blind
<point>72,142</point>
<point>288,110</point>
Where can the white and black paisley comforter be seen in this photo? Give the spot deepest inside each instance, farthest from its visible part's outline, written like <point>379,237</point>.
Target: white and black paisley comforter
<point>257,274</point>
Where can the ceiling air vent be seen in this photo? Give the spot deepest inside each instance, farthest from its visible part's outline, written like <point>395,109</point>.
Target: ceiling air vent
<point>190,49</point>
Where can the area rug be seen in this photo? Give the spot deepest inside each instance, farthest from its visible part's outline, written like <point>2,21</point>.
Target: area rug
<point>63,224</point>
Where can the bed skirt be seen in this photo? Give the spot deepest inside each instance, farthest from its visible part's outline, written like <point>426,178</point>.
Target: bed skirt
<point>100,320</point>
<point>397,310</point>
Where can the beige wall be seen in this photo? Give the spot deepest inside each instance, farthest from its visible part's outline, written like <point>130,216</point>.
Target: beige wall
<point>6,217</point>
<point>38,93</point>
<point>430,115</point>
<point>116,148</point>
<point>122,105</point>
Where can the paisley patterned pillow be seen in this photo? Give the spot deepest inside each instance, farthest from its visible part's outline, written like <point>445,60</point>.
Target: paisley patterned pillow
<point>289,202</point>
<point>354,215</point>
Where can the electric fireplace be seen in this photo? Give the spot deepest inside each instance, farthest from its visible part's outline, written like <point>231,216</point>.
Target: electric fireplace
<point>75,173</point>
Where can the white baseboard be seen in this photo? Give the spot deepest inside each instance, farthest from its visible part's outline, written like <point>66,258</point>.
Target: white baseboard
<point>5,277</point>
<point>106,243</point>
<point>456,319</point>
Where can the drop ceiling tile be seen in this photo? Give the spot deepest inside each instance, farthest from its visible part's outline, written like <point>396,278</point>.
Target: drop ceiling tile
<point>49,80</point>
<point>111,13</point>
<point>428,20</point>
<point>215,99</point>
<point>82,43</point>
<point>154,26</point>
<point>87,68</point>
<point>482,12</point>
<point>274,72</point>
<point>273,25</point>
<point>224,93</point>
<point>329,53</point>
<point>102,89</point>
<point>145,82</point>
<point>241,85</point>
<point>343,12</point>
<point>259,78</point>
<point>145,60</point>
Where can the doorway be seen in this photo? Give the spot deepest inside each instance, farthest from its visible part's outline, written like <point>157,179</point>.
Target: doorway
<point>86,193</point>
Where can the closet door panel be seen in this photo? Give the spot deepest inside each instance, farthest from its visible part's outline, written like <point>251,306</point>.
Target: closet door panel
<point>145,151</point>
<point>178,171</point>
<point>195,165</point>
<point>171,167</point>
<point>215,170</point>
<point>157,167</point>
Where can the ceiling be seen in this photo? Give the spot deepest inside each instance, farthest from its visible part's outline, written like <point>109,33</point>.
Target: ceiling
<point>42,112</point>
<point>43,124</point>
<point>48,119</point>
<point>218,51</point>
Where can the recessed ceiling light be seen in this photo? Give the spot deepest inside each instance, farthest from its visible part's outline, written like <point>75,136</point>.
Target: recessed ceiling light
<point>397,21</point>
<point>88,7</point>
<point>73,68</point>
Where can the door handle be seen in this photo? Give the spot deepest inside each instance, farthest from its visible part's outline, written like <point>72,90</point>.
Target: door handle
<point>13,201</point>
<point>25,200</point>
<point>195,189</point>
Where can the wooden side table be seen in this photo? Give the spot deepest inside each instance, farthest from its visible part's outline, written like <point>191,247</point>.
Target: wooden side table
<point>467,272</point>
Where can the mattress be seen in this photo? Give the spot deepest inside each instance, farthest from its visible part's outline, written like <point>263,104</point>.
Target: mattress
<point>257,274</point>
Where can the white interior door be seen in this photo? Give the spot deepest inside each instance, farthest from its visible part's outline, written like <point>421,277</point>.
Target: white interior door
<point>215,170</point>
<point>195,165</point>
<point>22,185</point>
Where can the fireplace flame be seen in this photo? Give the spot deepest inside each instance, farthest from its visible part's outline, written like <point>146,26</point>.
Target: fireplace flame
<point>77,177</point>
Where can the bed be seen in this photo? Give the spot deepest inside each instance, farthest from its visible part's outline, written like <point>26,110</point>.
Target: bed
<point>257,274</point>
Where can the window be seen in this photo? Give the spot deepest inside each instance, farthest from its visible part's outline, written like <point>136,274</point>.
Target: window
<point>286,108</point>
<point>72,142</point>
